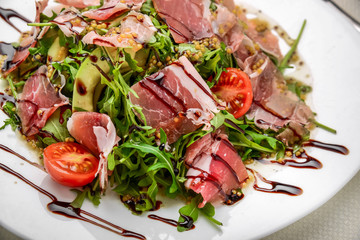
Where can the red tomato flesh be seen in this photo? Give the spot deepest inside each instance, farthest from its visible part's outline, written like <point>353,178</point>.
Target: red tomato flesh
<point>234,88</point>
<point>70,164</point>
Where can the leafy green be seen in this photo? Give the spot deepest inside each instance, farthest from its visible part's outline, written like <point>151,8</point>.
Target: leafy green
<point>299,88</point>
<point>132,63</point>
<point>93,196</point>
<point>214,63</point>
<point>44,44</point>
<point>13,120</point>
<point>209,212</point>
<point>284,63</point>
<point>57,128</point>
<point>191,211</point>
<point>326,128</point>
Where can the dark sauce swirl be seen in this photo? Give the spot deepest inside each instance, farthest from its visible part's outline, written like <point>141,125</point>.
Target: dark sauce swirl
<point>65,208</point>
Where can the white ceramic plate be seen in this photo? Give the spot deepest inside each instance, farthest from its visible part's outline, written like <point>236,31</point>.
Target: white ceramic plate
<point>329,45</point>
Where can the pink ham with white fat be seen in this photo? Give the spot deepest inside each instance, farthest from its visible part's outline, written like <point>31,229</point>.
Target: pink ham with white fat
<point>22,52</point>
<point>274,105</point>
<point>38,101</point>
<point>260,33</point>
<point>175,99</point>
<point>190,20</point>
<point>70,22</point>
<point>79,3</point>
<point>135,29</point>
<point>215,168</point>
<point>113,8</point>
<point>96,132</point>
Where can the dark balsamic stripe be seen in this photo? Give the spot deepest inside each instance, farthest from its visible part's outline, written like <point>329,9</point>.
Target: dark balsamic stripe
<point>226,164</point>
<point>152,92</point>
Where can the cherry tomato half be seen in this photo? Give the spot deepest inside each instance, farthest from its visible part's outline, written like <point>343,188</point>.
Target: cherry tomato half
<point>234,87</point>
<point>70,164</point>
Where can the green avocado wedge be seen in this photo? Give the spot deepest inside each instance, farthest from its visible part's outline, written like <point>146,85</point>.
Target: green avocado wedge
<point>87,79</point>
<point>88,87</point>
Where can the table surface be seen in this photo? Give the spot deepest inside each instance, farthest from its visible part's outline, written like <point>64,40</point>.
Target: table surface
<point>337,219</point>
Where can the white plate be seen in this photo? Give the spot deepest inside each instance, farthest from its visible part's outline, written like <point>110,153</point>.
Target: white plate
<point>329,45</point>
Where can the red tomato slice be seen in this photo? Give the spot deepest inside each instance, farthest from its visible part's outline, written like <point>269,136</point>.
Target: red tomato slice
<point>70,164</point>
<point>234,87</point>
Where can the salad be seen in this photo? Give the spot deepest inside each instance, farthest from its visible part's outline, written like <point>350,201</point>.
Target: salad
<point>155,97</point>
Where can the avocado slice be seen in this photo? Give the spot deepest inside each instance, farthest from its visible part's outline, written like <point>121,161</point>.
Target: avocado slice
<point>86,80</point>
<point>87,86</point>
<point>56,52</point>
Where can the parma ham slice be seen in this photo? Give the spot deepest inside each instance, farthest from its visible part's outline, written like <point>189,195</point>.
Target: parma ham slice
<point>135,28</point>
<point>70,22</point>
<point>175,99</point>
<point>113,8</point>
<point>22,52</point>
<point>274,105</point>
<point>37,102</point>
<point>96,132</point>
<point>215,168</point>
<point>79,3</point>
<point>190,20</point>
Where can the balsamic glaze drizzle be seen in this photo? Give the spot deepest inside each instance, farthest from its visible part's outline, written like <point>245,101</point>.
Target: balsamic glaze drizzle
<point>65,208</point>
<point>7,14</point>
<point>6,149</point>
<point>276,187</point>
<point>327,146</point>
<point>188,222</point>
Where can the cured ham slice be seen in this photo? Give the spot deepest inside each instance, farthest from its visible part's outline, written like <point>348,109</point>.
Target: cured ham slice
<point>96,132</point>
<point>190,20</point>
<point>256,30</point>
<point>223,21</point>
<point>187,20</point>
<point>274,105</point>
<point>79,3</point>
<point>259,32</point>
<point>37,102</point>
<point>175,99</point>
<point>215,168</point>
<point>22,52</point>
<point>136,28</point>
<point>70,22</point>
<point>113,8</point>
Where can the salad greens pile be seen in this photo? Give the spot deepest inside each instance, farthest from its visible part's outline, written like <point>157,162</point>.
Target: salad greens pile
<point>142,164</point>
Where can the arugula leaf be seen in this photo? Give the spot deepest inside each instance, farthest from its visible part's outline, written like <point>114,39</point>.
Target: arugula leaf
<point>163,157</point>
<point>57,129</point>
<point>284,63</point>
<point>132,62</point>
<point>93,196</point>
<point>209,211</point>
<point>190,210</point>
<point>13,120</point>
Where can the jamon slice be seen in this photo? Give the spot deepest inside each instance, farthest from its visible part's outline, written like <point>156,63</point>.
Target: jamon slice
<point>175,99</point>
<point>96,132</point>
<point>274,105</point>
<point>113,8</point>
<point>215,168</point>
<point>79,3</point>
<point>188,19</point>
<point>37,102</point>
<point>260,33</point>
<point>22,52</point>
<point>223,21</point>
<point>70,22</point>
<point>255,29</point>
<point>135,29</point>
